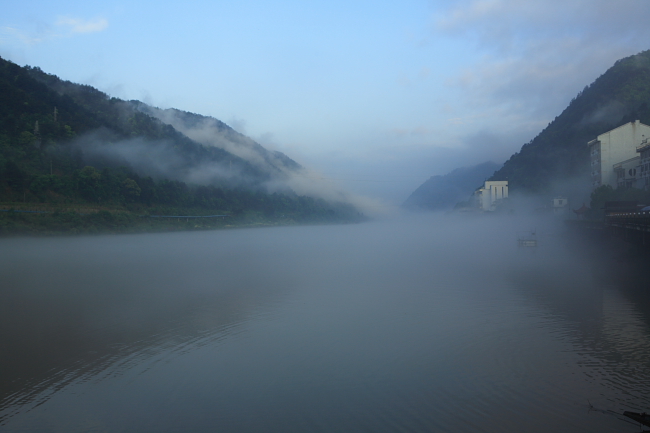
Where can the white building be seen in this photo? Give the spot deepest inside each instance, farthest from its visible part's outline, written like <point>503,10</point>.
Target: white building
<point>643,170</point>
<point>560,205</point>
<point>617,147</point>
<point>626,173</point>
<point>492,192</point>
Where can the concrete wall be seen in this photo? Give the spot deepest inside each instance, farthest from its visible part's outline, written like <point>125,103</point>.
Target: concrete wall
<point>626,173</point>
<point>613,147</point>
<point>643,179</point>
<point>491,192</point>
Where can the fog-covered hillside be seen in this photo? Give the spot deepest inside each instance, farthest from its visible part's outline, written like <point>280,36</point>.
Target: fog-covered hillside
<point>559,153</point>
<point>65,143</point>
<point>443,192</point>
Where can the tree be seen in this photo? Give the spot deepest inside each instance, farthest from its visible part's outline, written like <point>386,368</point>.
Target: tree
<point>88,183</point>
<point>130,189</point>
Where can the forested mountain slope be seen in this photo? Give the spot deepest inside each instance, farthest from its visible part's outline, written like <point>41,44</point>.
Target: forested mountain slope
<point>62,142</point>
<point>220,147</point>
<point>559,152</point>
<point>212,132</point>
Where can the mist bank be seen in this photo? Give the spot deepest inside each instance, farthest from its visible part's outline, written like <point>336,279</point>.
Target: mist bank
<point>289,316</point>
<point>283,173</point>
<point>65,145</point>
<point>443,192</point>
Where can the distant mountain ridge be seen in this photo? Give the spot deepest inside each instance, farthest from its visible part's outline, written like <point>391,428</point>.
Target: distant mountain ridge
<point>443,192</point>
<point>559,152</point>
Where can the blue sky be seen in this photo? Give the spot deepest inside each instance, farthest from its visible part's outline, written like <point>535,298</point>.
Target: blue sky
<point>376,95</point>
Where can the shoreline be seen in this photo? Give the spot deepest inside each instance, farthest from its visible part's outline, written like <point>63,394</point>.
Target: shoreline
<point>29,223</point>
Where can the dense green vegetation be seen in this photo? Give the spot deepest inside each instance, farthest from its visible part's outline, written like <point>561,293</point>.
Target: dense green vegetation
<point>43,167</point>
<point>14,222</point>
<point>559,152</point>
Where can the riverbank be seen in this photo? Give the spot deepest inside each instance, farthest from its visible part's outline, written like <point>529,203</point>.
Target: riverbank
<point>82,220</point>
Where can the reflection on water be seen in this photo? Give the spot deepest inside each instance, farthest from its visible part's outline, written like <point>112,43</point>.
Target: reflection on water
<point>76,309</point>
<point>430,325</point>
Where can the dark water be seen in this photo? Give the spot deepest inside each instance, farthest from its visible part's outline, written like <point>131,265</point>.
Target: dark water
<point>416,326</point>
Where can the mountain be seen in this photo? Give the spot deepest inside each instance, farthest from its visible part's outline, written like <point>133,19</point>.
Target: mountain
<point>193,142</point>
<point>556,160</point>
<point>443,192</point>
<point>559,153</point>
<point>65,143</point>
<point>212,132</point>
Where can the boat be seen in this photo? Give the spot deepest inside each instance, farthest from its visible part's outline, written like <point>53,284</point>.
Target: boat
<point>642,418</point>
<point>527,239</point>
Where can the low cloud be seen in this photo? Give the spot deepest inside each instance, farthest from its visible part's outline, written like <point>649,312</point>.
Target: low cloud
<point>609,113</point>
<point>238,124</point>
<point>285,174</point>
<point>312,183</point>
<point>213,133</point>
<point>162,159</point>
<point>77,25</point>
<point>11,33</point>
<point>159,159</point>
<point>63,27</point>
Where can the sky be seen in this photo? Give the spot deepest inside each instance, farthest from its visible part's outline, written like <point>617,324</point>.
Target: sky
<point>376,96</point>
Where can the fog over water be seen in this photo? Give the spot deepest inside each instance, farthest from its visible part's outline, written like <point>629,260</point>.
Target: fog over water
<point>427,323</point>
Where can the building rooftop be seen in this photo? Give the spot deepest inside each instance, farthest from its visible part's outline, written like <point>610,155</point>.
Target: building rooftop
<point>620,164</point>
<point>644,146</point>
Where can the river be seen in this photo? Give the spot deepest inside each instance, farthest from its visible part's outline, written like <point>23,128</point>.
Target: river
<point>417,325</point>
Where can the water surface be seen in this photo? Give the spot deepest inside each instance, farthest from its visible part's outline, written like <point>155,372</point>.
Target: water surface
<point>425,325</point>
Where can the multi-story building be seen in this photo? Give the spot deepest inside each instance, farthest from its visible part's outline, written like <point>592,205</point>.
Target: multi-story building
<point>492,192</point>
<point>643,170</point>
<point>612,153</point>
<point>626,173</point>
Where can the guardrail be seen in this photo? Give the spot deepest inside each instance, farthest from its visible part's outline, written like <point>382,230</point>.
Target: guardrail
<point>185,216</point>
<point>631,226</point>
